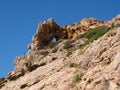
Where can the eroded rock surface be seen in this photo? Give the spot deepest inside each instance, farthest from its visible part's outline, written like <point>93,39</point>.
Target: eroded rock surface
<point>66,66</point>
<point>45,32</point>
<point>48,30</point>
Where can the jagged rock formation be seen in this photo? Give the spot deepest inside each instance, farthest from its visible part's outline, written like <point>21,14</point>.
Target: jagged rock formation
<point>45,32</point>
<point>81,59</point>
<point>49,29</point>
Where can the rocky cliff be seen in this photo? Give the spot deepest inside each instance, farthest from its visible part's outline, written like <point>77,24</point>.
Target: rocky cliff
<point>83,56</point>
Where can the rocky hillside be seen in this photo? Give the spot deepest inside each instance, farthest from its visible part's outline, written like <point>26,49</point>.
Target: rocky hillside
<point>81,56</point>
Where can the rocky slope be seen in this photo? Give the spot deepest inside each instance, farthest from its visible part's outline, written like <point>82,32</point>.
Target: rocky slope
<point>84,56</point>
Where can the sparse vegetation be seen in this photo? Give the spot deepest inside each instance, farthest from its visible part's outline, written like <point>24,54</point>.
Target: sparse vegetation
<point>44,53</point>
<point>79,73</point>
<point>23,86</point>
<point>55,50</point>
<point>94,34</point>
<point>33,67</point>
<point>52,45</point>
<point>68,44</point>
<point>72,64</point>
<point>15,77</point>
<point>79,36</point>
<point>77,78</point>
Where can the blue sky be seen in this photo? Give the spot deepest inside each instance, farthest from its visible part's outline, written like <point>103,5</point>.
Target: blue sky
<point>19,20</point>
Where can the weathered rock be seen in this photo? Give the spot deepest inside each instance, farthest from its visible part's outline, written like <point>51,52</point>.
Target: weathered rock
<point>49,29</point>
<point>94,67</point>
<point>45,32</point>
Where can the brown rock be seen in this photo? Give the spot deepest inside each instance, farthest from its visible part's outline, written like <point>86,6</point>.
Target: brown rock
<point>45,32</point>
<point>94,67</point>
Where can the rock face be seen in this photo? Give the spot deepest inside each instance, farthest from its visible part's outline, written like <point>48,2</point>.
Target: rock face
<point>45,33</point>
<point>48,30</point>
<point>65,65</point>
<point>102,60</point>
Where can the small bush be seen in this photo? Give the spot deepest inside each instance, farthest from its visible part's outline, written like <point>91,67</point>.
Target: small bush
<point>72,64</point>
<point>15,77</point>
<point>77,78</point>
<point>23,86</point>
<point>68,45</point>
<point>94,34</point>
<point>98,31</point>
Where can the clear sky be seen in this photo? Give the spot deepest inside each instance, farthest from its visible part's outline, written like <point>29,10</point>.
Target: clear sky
<point>19,20</point>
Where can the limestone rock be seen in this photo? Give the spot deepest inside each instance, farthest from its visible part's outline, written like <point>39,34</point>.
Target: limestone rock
<point>49,29</point>
<point>65,66</point>
<point>45,32</point>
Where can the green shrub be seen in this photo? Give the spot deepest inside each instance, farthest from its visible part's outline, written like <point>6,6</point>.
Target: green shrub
<point>23,86</point>
<point>94,34</point>
<point>67,44</point>
<point>77,78</point>
<point>72,64</point>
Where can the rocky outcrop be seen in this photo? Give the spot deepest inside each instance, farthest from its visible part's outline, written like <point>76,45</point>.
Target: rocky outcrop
<point>45,32</point>
<point>66,65</point>
<point>48,30</point>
